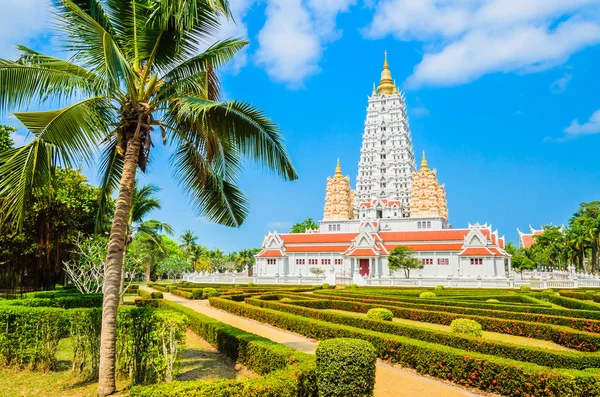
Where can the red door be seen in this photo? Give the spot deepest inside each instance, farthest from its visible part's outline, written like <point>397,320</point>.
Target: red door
<point>364,267</point>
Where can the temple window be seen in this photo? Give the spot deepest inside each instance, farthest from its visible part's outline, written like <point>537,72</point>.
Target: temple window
<point>428,224</point>
<point>443,261</point>
<point>300,261</point>
<point>338,261</point>
<point>325,261</point>
<point>383,170</point>
<point>271,261</point>
<point>383,156</point>
<point>427,261</point>
<point>476,261</point>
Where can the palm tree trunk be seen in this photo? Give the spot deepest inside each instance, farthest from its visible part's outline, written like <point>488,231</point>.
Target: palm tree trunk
<point>113,269</point>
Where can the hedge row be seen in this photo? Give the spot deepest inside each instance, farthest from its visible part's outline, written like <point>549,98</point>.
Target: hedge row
<point>150,295</point>
<point>570,303</point>
<point>588,314</point>
<point>576,323</point>
<point>489,373</point>
<point>564,336</point>
<point>535,355</point>
<point>63,301</point>
<point>288,373</point>
<point>584,296</point>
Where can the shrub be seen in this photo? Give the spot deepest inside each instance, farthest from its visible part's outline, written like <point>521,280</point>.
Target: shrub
<point>143,302</point>
<point>212,294</point>
<point>525,288</point>
<point>439,287</point>
<point>207,290</point>
<point>325,286</point>
<point>85,327</point>
<point>197,293</point>
<point>351,286</point>
<point>345,368</point>
<point>171,288</point>
<point>156,295</point>
<point>548,291</point>
<point>492,301</point>
<point>427,295</point>
<point>29,336</point>
<point>286,300</point>
<point>466,326</point>
<point>251,284</point>
<point>63,301</point>
<point>380,314</point>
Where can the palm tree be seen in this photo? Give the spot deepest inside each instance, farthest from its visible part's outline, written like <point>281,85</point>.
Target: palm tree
<point>188,238</point>
<point>136,70</point>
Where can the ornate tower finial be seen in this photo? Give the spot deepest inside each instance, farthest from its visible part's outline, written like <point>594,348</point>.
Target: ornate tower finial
<point>386,84</point>
<point>338,170</point>
<point>424,165</point>
<point>374,90</point>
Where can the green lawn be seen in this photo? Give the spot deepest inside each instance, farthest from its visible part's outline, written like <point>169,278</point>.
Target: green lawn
<point>517,340</point>
<point>200,361</point>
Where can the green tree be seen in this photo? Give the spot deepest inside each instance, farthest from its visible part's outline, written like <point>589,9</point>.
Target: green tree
<point>6,141</point>
<point>548,248</point>
<point>521,262</point>
<point>135,69</point>
<point>304,226</point>
<point>173,266</point>
<point>402,257</point>
<point>188,239</point>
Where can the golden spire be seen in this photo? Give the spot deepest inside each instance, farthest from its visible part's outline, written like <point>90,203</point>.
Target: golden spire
<point>338,170</point>
<point>424,165</point>
<point>386,84</point>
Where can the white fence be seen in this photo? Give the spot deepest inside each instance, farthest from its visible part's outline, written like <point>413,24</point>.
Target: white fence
<point>418,281</point>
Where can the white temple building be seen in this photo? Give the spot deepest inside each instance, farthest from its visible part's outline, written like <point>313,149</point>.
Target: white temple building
<point>393,204</point>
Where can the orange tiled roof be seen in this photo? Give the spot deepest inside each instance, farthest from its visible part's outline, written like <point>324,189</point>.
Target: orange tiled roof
<point>363,252</point>
<point>428,247</point>
<point>426,235</point>
<point>309,238</point>
<point>476,251</point>
<point>271,254</point>
<point>316,248</point>
<point>527,240</point>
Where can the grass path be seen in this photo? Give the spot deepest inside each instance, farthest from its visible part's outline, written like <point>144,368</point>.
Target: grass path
<point>391,380</point>
<point>517,340</point>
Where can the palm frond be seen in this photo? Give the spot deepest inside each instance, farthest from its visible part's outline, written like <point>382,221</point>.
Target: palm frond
<point>248,128</point>
<point>95,48</point>
<point>143,202</point>
<point>74,131</point>
<point>22,84</point>
<point>215,198</point>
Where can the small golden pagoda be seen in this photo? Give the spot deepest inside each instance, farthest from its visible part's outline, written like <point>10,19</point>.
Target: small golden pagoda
<point>339,198</point>
<point>428,197</point>
<point>387,85</point>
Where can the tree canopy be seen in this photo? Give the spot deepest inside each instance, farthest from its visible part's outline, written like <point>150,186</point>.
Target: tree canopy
<point>305,225</point>
<point>401,257</point>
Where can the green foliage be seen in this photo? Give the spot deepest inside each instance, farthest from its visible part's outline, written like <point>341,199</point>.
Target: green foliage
<point>29,336</point>
<point>401,257</point>
<point>150,295</point>
<point>6,141</point>
<point>525,288</point>
<point>466,326</point>
<point>286,372</point>
<point>286,300</point>
<point>439,288</point>
<point>492,301</point>
<point>173,266</point>
<point>212,294</point>
<point>345,368</point>
<point>548,291</point>
<point>380,314</point>
<point>541,356</point>
<point>325,286</point>
<point>452,364</point>
<point>65,301</point>
<point>317,271</point>
<point>85,326</point>
<point>303,226</point>
<point>351,286</point>
<point>427,295</point>
<point>197,293</point>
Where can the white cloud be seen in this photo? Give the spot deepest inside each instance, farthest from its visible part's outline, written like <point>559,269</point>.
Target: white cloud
<point>592,126</point>
<point>236,28</point>
<point>22,22</point>
<point>466,39</point>
<point>419,110</point>
<point>559,86</point>
<point>281,225</point>
<point>291,41</point>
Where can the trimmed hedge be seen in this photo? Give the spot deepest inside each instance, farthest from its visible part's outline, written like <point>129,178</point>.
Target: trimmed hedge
<point>150,295</point>
<point>554,359</point>
<point>571,303</point>
<point>488,373</point>
<point>579,340</point>
<point>427,295</point>
<point>288,373</point>
<point>467,327</point>
<point>69,301</point>
<point>345,368</point>
<point>380,314</point>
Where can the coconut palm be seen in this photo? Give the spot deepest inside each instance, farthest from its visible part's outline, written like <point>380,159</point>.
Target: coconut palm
<point>136,76</point>
<point>188,239</point>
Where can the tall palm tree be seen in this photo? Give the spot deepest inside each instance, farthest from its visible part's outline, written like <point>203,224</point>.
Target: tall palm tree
<point>136,71</point>
<point>188,239</point>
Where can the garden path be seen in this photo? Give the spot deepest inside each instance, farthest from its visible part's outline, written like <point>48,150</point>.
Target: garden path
<point>391,380</point>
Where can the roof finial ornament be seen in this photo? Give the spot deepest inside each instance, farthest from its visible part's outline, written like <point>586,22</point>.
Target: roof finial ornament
<point>386,84</point>
<point>338,170</point>
<point>374,90</point>
<point>424,165</point>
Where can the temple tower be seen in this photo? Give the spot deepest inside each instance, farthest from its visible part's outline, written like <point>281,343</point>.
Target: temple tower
<point>428,196</point>
<point>338,197</point>
<point>387,161</point>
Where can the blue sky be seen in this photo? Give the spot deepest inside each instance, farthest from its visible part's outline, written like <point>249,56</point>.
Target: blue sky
<point>502,95</point>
